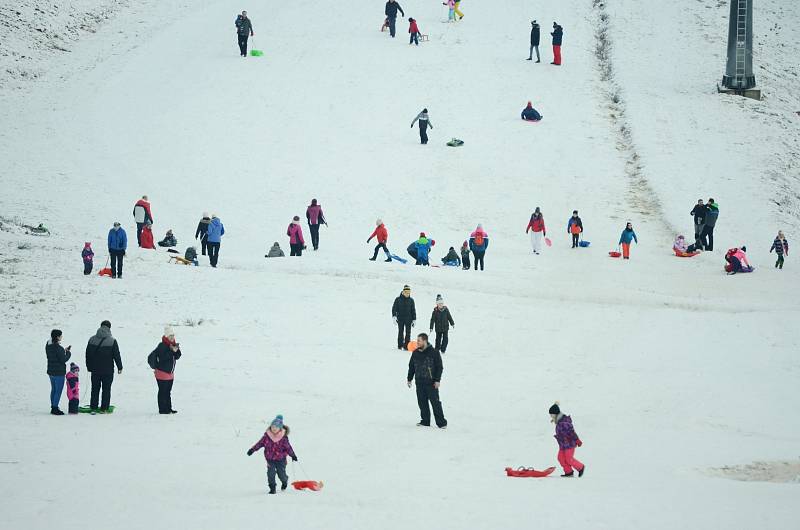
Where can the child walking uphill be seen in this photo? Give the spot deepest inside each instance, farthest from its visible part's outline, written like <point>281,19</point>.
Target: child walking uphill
<point>275,443</point>
<point>567,440</point>
<point>88,258</point>
<point>73,388</point>
<point>781,248</point>
<point>625,239</point>
<point>413,30</point>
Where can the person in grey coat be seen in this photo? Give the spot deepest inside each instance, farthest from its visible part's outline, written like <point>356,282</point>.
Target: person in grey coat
<point>535,35</point>
<point>102,353</point>
<point>424,123</point>
<point>275,251</point>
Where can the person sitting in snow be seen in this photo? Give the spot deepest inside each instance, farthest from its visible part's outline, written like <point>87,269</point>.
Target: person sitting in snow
<point>451,258</point>
<point>567,440</point>
<point>275,251</point>
<point>737,261</point>
<point>530,114</point>
<point>147,237</point>
<point>465,256</point>
<point>781,248</point>
<point>275,443</point>
<point>88,258</point>
<point>169,240</point>
<point>680,247</point>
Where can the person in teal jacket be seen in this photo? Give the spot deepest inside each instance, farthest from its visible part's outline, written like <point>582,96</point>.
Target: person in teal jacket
<point>625,239</point>
<point>214,239</point>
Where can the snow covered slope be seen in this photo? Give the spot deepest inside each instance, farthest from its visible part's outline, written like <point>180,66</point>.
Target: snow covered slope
<point>668,367</point>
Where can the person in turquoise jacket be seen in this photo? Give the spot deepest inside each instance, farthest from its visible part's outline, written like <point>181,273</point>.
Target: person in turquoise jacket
<point>625,239</point>
<point>214,238</point>
<point>423,246</point>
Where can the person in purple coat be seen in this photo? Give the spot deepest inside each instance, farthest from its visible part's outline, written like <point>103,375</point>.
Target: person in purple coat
<point>296,241</point>
<point>567,440</point>
<point>315,217</point>
<point>275,443</point>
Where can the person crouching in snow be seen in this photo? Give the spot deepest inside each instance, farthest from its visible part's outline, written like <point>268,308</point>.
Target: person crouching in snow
<point>296,242</point>
<point>275,443</point>
<point>625,239</point>
<point>88,258</point>
<point>530,114</point>
<point>781,248</point>
<point>147,237</point>
<point>423,246</point>
<point>737,261</point>
<point>169,240</point>
<point>567,440</point>
<point>275,251</point>
<point>413,30</point>
<point>73,388</point>
<point>451,258</point>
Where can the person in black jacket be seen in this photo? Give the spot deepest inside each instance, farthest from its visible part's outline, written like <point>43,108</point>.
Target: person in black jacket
<point>202,231</point>
<point>405,316</point>
<point>558,35</point>
<point>426,366</point>
<point>162,360</point>
<point>441,320</point>
<point>699,214</point>
<point>244,29</point>
<point>391,10</point>
<point>57,358</point>
<point>535,35</point>
<point>102,353</point>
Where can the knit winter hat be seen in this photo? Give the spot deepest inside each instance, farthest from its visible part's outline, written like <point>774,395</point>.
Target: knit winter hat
<point>313,202</point>
<point>555,409</point>
<point>439,299</point>
<point>168,331</point>
<point>406,287</point>
<point>205,214</point>
<point>422,234</point>
<point>277,422</point>
<point>378,222</point>
<point>295,218</point>
<point>87,244</point>
<point>74,368</point>
<point>744,248</point>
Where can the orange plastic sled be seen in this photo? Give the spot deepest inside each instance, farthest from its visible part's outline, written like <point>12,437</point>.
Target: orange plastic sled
<point>528,472</point>
<point>105,272</point>
<point>312,485</point>
<point>615,254</point>
<point>685,254</point>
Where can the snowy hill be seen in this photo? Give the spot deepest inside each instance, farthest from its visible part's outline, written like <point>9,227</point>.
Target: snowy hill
<point>670,369</point>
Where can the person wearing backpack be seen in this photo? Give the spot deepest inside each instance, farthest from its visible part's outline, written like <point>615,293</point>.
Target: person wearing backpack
<point>315,218</point>
<point>441,320</point>
<point>162,360</point>
<point>244,29</point>
<point>478,242</point>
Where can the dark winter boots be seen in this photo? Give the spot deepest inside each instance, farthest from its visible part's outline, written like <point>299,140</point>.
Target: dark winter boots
<point>568,475</point>
<point>272,490</point>
<point>55,411</point>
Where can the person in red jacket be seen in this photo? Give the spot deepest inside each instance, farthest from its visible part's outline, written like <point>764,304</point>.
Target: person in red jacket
<point>142,214</point>
<point>383,236</point>
<point>146,238</point>
<point>413,29</point>
<point>537,229</point>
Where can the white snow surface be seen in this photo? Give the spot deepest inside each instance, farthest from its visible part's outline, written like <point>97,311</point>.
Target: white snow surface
<point>668,367</point>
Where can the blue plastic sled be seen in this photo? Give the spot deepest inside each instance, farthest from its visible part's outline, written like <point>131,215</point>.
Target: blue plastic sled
<point>395,257</point>
<point>584,243</point>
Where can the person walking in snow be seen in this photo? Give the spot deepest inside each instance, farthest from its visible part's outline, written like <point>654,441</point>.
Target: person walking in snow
<point>567,440</point>
<point>404,313</point>
<point>465,256</point>
<point>699,214</point>
<point>73,388</point>
<point>57,357</point>
<point>275,443</point>
<point>424,123</point>
<point>478,243</point>
<point>88,258</point>
<point>558,36</point>
<point>707,235</point>
<point>575,228</point>
<point>382,235</point>
<point>117,245</point>
<point>244,30</point>
<point>202,231</point>
<point>413,30</point>
<point>537,230</point>
<point>214,239</point>
<point>390,11</point>
<point>457,11</point>
<point>102,353</point>
<point>625,239</point>
<point>426,366</point>
<point>451,259</point>
<point>296,242</point>
<point>422,248</point>
<point>781,248</point>
<point>530,114</point>
<point>441,320</point>
<point>451,10</point>
<point>275,251</point>
<point>315,217</point>
<point>142,215</point>
<point>535,37</point>
<point>162,360</point>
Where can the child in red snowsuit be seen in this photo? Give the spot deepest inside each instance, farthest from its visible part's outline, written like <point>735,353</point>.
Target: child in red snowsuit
<point>567,440</point>
<point>413,29</point>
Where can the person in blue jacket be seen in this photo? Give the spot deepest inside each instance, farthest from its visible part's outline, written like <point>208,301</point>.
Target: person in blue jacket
<point>478,243</point>
<point>423,246</point>
<point>117,245</point>
<point>215,232</point>
<point>530,114</point>
<point>625,239</point>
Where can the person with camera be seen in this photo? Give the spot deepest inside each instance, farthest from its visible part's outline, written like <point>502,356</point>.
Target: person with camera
<point>57,358</point>
<point>162,360</point>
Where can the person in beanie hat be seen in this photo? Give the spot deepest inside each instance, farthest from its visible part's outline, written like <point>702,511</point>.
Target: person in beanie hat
<point>296,242</point>
<point>424,123</point>
<point>567,440</point>
<point>441,320</point>
<point>162,360</point>
<point>535,35</point>
<point>423,248</point>
<point>558,36</point>
<point>478,243</point>
<point>57,357</point>
<point>275,251</point>
<point>575,228</point>
<point>781,248</point>
<point>202,231</point>
<point>73,388</point>
<point>102,354</point>
<point>465,256</point>
<point>530,114</point>
<point>537,229</point>
<point>382,236</point>
<point>451,258</point>
<point>275,443</point>
<point>214,239</point>
<point>404,313</point>
<point>88,258</point>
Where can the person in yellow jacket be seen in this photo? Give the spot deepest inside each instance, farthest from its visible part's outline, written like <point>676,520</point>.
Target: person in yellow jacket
<point>457,11</point>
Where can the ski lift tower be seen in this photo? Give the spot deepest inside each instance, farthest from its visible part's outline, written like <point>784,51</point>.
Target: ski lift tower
<point>739,78</point>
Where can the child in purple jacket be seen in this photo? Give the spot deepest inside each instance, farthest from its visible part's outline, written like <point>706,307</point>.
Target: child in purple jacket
<point>276,448</point>
<point>73,388</point>
<point>88,258</point>
<point>567,440</point>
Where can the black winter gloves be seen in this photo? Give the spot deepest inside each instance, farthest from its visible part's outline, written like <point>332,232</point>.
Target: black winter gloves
<point>294,459</point>
<point>249,452</point>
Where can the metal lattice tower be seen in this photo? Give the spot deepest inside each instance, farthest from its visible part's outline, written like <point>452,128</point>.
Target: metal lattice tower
<point>739,69</point>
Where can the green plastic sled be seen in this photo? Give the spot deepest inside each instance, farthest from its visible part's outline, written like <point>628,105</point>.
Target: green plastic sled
<point>87,410</point>
<point>256,53</point>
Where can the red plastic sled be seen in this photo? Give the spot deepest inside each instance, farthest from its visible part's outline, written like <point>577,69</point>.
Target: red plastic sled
<point>548,242</point>
<point>680,254</point>
<point>528,472</point>
<point>615,254</point>
<point>105,272</point>
<point>312,485</point>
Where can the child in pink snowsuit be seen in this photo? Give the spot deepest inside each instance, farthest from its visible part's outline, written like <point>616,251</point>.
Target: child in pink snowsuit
<point>276,448</point>
<point>567,440</point>
<point>73,388</point>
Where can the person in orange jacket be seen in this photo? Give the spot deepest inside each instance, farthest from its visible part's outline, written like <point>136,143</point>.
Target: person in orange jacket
<point>382,235</point>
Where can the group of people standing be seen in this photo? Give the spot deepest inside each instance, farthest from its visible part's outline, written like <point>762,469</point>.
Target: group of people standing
<point>557,38</point>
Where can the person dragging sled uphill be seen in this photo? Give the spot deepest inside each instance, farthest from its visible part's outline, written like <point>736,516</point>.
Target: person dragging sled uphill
<point>73,388</point>
<point>575,228</point>
<point>88,258</point>
<point>162,360</point>
<point>244,30</point>
<point>781,248</point>
<point>537,230</point>
<point>567,440</point>
<point>315,217</point>
<point>404,313</point>
<point>202,232</point>
<point>117,245</point>
<point>296,242</point>
<point>57,357</point>
<point>382,235</point>
<point>558,36</point>
<point>390,11</point>
<point>102,353</point>
<point>530,114</point>
<point>424,123</point>
<point>142,215</point>
<point>426,366</point>
<point>275,443</point>
<point>625,239</point>
<point>535,37</point>
<point>441,320</point>
<point>413,30</point>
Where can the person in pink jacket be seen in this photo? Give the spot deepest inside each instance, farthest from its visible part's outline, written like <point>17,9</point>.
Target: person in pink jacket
<point>296,241</point>
<point>73,388</point>
<point>275,443</point>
